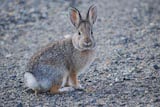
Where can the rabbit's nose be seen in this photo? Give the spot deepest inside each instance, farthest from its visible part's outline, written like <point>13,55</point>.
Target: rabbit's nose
<point>87,42</point>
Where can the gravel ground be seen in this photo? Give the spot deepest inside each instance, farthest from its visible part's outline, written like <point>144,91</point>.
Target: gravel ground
<point>126,71</point>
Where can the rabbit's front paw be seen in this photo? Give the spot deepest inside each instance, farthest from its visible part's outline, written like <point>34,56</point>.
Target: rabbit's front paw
<point>66,89</point>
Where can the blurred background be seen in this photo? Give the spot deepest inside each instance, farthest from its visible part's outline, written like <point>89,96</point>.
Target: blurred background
<point>126,71</point>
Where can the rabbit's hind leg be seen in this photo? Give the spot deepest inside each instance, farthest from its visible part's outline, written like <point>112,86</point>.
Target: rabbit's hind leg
<point>55,89</point>
<point>64,87</point>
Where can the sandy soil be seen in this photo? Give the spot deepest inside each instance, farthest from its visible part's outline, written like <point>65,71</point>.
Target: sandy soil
<point>126,71</point>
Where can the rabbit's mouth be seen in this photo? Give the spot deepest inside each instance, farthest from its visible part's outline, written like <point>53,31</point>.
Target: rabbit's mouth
<point>87,46</point>
<point>82,47</point>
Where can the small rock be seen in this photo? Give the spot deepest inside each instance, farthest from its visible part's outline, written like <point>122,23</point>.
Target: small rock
<point>8,55</point>
<point>138,58</point>
<point>101,102</point>
<point>156,100</point>
<point>2,42</point>
<point>32,10</point>
<point>13,77</point>
<point>43,16</point>
<point>156,67</point>
<point>135,10</point>
<point>152,58</point>
<point>108,62</point>
<point>156,45</point>
<point>110,84</point>
<point>116,79</point>
<point>151,24</point>
<point>20,105</point>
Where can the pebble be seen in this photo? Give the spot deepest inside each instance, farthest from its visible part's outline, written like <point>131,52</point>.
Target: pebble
<point>156,45</point>
<point>8,55</point>
<point>20,105</point>
<point>43,16</point>
<point>115,30</point>
<point>156,67</point>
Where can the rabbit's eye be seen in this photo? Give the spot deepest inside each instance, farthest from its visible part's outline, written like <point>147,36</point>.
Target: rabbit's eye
<point>79,33</point>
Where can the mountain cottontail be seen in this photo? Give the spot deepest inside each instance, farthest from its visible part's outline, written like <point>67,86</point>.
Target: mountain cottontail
<point>55,68</point>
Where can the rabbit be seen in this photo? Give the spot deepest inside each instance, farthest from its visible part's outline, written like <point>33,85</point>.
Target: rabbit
<point>55,68</point>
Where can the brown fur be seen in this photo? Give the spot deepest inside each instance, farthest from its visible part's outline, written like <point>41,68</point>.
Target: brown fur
<point>58,63</point>
<point>35,58</point>
<point>86,52</point>
<point>55,89</point>
<point>73,77</point>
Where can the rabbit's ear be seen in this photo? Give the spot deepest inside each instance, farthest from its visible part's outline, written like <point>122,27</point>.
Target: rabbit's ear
<point>92,14</point>
<point>75,17</point>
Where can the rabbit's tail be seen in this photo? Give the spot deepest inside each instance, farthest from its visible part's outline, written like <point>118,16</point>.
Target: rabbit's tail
<point>30,81</point>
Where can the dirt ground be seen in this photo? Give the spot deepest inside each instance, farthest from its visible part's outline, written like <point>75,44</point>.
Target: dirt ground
<point>126,71</point>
